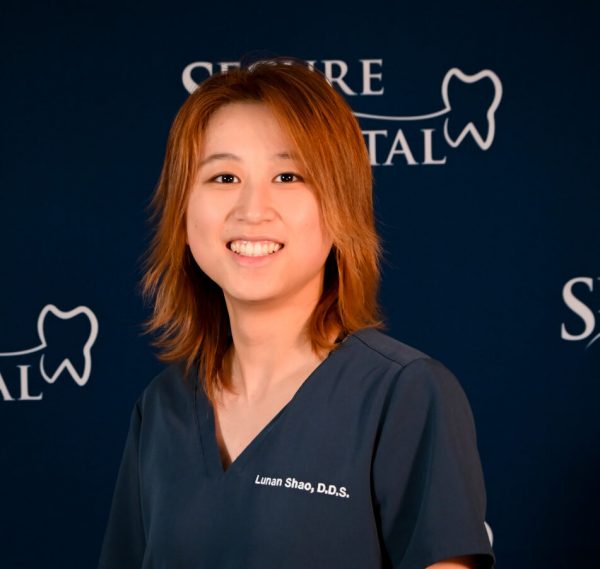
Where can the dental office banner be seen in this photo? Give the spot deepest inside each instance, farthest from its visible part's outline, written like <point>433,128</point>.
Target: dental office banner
<point>481,122</point>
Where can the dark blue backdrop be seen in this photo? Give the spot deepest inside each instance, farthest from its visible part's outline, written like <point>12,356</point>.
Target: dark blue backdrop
<point>478,249</point>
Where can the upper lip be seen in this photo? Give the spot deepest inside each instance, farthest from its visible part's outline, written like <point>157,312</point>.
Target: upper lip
<point>254,238</point>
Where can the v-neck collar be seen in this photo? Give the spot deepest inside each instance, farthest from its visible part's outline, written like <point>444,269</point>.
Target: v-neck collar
<point>207,430</point>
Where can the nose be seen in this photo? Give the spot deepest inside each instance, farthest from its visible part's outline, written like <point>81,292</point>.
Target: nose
<point>254,204</point>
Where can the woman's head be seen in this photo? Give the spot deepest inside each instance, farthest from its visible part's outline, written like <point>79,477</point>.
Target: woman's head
<point>253,223</point>
<point>189,310</point>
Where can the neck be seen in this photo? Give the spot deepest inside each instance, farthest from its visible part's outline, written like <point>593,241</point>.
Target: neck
<point>270,346</point>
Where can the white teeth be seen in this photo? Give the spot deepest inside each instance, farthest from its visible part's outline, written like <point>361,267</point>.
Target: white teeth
<point>254,248</point>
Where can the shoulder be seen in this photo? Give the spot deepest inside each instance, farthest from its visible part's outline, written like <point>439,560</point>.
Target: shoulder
<point>170,388</point>
<point>382,347</point>
<point>401,359</point>
<point>408,373</point>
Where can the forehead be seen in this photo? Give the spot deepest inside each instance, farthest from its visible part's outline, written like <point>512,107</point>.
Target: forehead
<point>245,123</point>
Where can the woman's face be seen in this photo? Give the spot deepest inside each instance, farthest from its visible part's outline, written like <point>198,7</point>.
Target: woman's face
<point>253,225</point>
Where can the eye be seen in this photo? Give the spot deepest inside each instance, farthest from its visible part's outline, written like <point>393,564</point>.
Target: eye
<point>288,177</point>
<point>225,179</point>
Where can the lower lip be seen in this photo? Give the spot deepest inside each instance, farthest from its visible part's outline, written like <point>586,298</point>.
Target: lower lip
<point>246,261</point>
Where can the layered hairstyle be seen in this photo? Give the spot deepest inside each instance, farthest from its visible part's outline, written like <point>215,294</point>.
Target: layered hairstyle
<point>190,316</point>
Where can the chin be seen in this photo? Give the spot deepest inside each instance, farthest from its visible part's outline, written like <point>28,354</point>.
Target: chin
<point>250,297</point>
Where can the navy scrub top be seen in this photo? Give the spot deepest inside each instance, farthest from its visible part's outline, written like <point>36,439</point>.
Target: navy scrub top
<point>373,463</point>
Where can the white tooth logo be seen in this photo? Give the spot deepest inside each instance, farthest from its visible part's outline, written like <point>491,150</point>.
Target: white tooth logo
<point>66,364</point>
<point>483,142</point>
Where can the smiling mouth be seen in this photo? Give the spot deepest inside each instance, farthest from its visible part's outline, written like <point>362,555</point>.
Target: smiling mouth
<point>254,248</point>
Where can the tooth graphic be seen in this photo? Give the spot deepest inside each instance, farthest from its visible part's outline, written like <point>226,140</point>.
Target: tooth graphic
<point>484,143</point>
<point>80,379</point>
<point>66,364</point>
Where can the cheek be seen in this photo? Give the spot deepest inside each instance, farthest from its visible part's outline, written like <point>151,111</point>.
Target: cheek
<point>315,236</point>
<point>201,232</point>
<point>201,219</point>
<point>193,227</point>
<point>203,255</point>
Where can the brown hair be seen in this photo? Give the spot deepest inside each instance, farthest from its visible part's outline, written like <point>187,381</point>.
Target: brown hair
<point>189,314</point>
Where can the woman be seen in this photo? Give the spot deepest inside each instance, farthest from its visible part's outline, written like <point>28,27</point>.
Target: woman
<point>288,432</point>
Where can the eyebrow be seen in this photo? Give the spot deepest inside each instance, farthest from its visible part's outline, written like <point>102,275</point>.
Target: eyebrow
<point>230,156</point>
<point>219,156</point>
<point>286,155</point>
